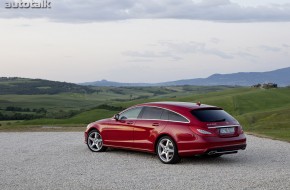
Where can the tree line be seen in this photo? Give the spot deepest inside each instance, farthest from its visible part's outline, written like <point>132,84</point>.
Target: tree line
<point>18,113</point>
<point>19,109</point>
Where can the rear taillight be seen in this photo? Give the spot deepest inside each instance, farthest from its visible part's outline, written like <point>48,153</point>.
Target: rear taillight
<point>202,132</point>
<point>240,130</point>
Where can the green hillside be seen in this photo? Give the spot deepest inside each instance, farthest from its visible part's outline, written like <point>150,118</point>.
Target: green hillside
<point>68,104</point>
<point>260,111</point>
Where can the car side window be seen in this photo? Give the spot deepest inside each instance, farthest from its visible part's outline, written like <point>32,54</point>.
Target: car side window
<point>169,115</point>
<point>131,113</point>
<point>151,113</point>
<point>176,117</point>
<point>164,115</point>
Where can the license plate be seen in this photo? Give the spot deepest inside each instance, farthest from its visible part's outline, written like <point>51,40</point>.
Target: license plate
<point>227,130</point>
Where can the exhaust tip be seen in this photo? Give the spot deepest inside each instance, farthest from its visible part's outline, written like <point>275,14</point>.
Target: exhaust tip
<point>222,152</point>
<point>211,153</point>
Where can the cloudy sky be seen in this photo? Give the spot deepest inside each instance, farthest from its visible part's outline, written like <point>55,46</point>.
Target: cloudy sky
<point>143,40</point>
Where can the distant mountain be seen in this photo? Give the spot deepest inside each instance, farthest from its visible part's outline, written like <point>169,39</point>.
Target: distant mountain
<point>111,83</point>
<point>280,77</point>
<point>15,85</point>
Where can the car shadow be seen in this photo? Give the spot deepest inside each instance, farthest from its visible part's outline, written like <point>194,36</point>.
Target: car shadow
<point>130,152</point>
<point>225,159</point>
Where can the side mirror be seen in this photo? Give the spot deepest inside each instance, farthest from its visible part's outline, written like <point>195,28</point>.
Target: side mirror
<point>116,116</point>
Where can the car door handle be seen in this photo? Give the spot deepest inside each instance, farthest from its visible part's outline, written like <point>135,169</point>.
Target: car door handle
<point>130,122</point>
<point>155,124</point>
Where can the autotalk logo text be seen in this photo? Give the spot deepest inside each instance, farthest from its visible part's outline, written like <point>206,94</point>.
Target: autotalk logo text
<point>42,4</point>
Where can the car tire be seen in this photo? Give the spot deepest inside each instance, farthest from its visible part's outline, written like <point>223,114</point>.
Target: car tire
<point>95,141</point>
<point>167,151</point>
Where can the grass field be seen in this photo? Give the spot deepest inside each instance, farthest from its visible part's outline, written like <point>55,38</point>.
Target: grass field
<point>260,111</point>
<point>64,102</point>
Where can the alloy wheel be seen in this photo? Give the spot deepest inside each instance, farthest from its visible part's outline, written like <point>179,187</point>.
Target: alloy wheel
<point>166,150</point>
<point>95,141</point>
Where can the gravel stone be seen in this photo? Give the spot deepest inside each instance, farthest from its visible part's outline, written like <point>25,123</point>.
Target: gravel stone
<point>60,160</point>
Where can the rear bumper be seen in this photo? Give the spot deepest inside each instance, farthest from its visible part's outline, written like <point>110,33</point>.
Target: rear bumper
<point>226,150</point>
<point>204,145</point>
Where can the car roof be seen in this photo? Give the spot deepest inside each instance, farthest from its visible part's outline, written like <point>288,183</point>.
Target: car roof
<point>176,105</point>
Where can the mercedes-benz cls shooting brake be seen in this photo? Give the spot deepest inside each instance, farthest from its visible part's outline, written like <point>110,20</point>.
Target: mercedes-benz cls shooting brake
<point>170,129</point>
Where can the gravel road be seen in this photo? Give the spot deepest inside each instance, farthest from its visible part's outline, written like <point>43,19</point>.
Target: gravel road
<point>60,160</point>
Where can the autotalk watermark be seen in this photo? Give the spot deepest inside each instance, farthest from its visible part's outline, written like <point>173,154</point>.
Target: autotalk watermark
<point>42,4</point>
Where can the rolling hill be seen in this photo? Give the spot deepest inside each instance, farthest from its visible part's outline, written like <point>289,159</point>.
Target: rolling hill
<point>15,85</point>
<point>260,111</point>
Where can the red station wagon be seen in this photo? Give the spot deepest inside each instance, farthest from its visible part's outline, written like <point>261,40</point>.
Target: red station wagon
<point>169,129</point>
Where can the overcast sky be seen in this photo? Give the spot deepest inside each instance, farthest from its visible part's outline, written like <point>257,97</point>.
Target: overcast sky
<point>143,40</point>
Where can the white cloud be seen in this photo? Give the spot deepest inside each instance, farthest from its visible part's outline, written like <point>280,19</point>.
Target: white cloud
<point>176,50</point>
<point>109,10</point>
<point>270,48</point>
<point>151,54</point>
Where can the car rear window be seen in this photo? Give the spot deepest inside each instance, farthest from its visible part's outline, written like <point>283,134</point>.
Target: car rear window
<point>212,115</point>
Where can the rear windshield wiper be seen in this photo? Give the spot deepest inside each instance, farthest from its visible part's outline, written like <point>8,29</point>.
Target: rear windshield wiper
<point>220,120</point>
